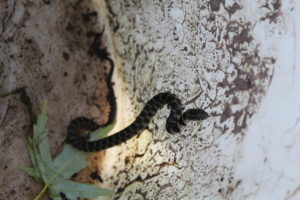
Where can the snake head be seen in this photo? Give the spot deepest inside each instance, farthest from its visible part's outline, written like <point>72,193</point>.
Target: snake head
<point>194,115</point>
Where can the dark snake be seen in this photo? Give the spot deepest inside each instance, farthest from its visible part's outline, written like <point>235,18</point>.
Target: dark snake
<point>176,119</point>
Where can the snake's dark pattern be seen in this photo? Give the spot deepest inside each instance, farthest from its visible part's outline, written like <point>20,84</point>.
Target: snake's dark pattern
<point>176,118</point>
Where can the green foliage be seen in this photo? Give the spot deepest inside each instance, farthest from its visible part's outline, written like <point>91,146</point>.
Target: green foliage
<point>101,132</point>
<point>56,174</point>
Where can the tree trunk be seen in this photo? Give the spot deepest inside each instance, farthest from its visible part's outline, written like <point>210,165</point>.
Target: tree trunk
<point>237,60</point>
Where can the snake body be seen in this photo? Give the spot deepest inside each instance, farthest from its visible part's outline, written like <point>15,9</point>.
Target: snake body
<point>177,117</point>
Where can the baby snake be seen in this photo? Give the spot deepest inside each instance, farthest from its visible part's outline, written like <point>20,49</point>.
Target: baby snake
<point>177,117</point>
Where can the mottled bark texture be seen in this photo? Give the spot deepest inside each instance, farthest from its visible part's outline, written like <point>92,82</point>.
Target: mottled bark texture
<point>206,52</point>
<point>45,47</point>
<point>218,55</point>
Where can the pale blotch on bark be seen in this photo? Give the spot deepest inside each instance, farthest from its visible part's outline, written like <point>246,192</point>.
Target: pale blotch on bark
<point>218,55</point>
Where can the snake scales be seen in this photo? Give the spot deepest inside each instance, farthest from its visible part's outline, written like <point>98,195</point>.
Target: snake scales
<point>177,117</point>
<point>78,125</point>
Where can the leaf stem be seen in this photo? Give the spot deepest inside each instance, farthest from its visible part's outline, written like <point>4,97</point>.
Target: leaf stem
<point>41,192</point>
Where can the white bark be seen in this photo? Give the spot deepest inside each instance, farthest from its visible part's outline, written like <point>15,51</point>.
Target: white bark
<point>236,59</point>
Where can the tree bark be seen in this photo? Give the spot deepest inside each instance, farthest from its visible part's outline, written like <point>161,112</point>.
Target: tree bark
<point>45,48</point>
<point>237,60</point>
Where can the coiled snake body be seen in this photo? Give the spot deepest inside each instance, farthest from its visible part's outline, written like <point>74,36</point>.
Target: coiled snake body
<point>177,117</point>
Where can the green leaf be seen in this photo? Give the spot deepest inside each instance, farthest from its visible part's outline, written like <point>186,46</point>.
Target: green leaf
<point>31,152</point>
<point>72,190</point>
<point>101,132</point>
<point>70,161</point>
<point>55,195</point>
<point>45,169</point>
<point>41,133</point>
<point>55,174</point>
<point>32,172</point>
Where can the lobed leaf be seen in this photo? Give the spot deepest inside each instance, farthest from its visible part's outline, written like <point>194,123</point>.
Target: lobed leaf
<point>70,161</point>
<point>55,174</point>
<point>41,134</point>
<point>32,172</point>
<point>31,153</point>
